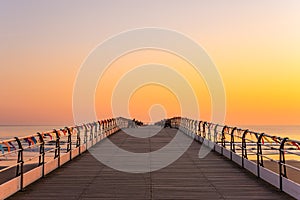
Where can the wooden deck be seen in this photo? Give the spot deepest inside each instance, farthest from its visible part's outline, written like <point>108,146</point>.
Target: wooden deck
<point>213,177</point>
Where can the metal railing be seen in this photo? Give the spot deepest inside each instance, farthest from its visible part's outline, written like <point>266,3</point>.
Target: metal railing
<point>263,149</point>
<point>22,154</point>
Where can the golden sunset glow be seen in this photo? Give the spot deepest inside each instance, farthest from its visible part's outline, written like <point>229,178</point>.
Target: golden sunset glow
<point>255,45</point>
<point>141,98</point>
<point>153,100</point>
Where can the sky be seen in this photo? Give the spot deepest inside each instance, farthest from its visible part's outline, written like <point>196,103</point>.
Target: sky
<point>255,46</point>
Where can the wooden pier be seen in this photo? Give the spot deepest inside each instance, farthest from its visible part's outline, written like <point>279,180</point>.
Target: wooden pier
<point>214,177</point>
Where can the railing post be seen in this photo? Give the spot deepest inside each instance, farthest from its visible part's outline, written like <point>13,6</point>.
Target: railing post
<point>232,142</point>
<point>188,127</point>
<point>216,133</point>
<point>100,130</point>
<point>199,128</point>
<point>191,128</point>
<point>96,131</point>
<point>108,127</point>
<point>42,154</point>
<point>259,157</point>
<point>282,172</point>
<point>78,140</point>
<point>69,146</point>
<point>105,127</point>
<point>91,133</point>
<point>57,147</point>
<point>85,134</point>
<point>113,125</point>
<point>185,126</point>
<point>209,131</point>
<point>20,166</point>
<point>195,127</point>
<point>204,129</point>
<point>223,137</point>
<point>244,147</point>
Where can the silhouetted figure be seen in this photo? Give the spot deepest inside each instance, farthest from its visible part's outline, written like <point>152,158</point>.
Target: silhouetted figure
<point>139,123</point>
<point>168,123</point>
<point>134,123</point>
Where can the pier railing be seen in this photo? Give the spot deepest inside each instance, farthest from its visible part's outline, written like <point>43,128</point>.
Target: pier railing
<point>24,160</point>
<point>272,158</point>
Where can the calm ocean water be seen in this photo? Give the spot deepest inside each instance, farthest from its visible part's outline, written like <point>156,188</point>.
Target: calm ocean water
<point>6,132</point>
<point>292,132</point>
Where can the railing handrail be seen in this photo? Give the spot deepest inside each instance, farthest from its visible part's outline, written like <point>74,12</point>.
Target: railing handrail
<point>56,141</point>
<point>230,136</point>
<point>241,129</point>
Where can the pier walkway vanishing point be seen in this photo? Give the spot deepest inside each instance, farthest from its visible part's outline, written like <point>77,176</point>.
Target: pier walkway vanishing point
<point>214,177</point>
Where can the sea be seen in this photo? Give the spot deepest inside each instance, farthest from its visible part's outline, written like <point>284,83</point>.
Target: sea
<point>8,131</point>
<point>290,131</point>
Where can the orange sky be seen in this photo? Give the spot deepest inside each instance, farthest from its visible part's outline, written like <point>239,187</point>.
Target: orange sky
<point>151,94</point>
<point>255,46</point>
